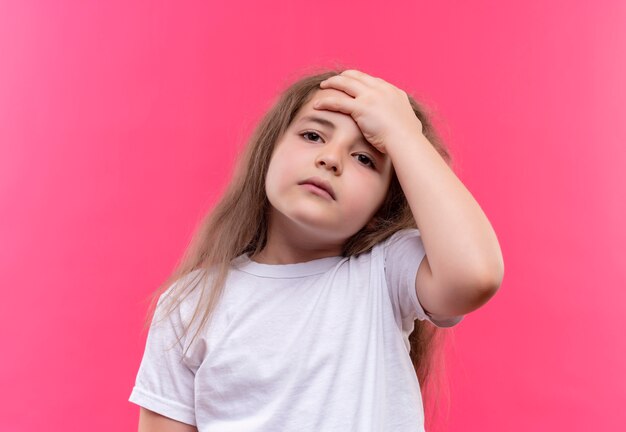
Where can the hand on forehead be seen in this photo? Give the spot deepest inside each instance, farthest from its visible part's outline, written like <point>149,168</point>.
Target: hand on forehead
<point>331,114</point>
<point>330,92</point>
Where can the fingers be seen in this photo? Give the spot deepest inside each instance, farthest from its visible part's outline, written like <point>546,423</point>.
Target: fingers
<point>350,81</point>
<point>345,83</point>
<point>344,105</point>
<point>361,76</point>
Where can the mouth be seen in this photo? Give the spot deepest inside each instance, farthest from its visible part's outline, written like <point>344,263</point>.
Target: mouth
<point>319,186</point>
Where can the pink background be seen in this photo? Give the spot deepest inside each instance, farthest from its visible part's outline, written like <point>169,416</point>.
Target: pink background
<point>120,122</point>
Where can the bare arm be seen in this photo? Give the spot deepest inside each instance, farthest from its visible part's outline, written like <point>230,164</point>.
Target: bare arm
<point>464,265</point>
<point>149,421</point>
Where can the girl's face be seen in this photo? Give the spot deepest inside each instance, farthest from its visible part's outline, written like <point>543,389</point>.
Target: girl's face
<point>333,149</point>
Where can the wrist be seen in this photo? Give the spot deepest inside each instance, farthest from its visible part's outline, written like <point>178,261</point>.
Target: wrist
<point>407,139</point>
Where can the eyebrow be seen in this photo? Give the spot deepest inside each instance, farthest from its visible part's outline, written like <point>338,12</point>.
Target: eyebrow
<point>319,120</point>
<point>331,125</point>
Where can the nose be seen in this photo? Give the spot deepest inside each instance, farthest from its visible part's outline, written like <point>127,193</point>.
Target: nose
<point>329,158</point>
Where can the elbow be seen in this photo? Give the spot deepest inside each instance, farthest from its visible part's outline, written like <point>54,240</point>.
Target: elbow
<point>488,275</point>
<point>482,281</point>
<point>490,279</point>
<point>482,288</point>
<point>469,290</point>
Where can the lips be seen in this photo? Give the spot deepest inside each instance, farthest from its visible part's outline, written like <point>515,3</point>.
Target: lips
<point>320,183</point>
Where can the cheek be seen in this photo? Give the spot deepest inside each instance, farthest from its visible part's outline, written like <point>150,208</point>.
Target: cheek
<point>366,194</point>
<point>272,178</point>
<point>293,156</point>
<point>281,172</point>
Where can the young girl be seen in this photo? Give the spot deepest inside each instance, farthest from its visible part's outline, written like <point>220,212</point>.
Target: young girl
<point>307,297</point>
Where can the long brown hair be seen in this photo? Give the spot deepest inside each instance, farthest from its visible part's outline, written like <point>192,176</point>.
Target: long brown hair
<point>238,224</point>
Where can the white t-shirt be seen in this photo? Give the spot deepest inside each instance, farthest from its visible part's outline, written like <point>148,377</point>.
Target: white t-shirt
<point>314,346</point>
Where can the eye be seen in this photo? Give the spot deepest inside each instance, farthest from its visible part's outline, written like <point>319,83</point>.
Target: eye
<point>368,160</point>
<point>304,134</point>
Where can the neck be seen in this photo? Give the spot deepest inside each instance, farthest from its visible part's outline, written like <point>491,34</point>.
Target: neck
<point>289,245</point>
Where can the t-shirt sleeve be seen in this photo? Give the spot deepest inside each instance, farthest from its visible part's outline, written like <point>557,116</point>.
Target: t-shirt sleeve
<point>164,383</point>
<point>403,253</point>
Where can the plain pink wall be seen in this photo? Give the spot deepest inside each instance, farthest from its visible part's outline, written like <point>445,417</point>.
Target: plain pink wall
<point>120,121</point>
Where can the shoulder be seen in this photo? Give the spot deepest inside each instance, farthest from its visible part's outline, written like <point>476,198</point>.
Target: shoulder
<point>182,284</point>
<point>182,295</point>
<point>401,234</point>
<point>399,239</point>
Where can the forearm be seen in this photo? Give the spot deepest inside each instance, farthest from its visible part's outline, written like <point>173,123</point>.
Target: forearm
<point>459,240</point>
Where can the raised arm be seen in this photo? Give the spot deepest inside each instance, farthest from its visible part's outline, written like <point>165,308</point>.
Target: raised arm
<point>463,267</point>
